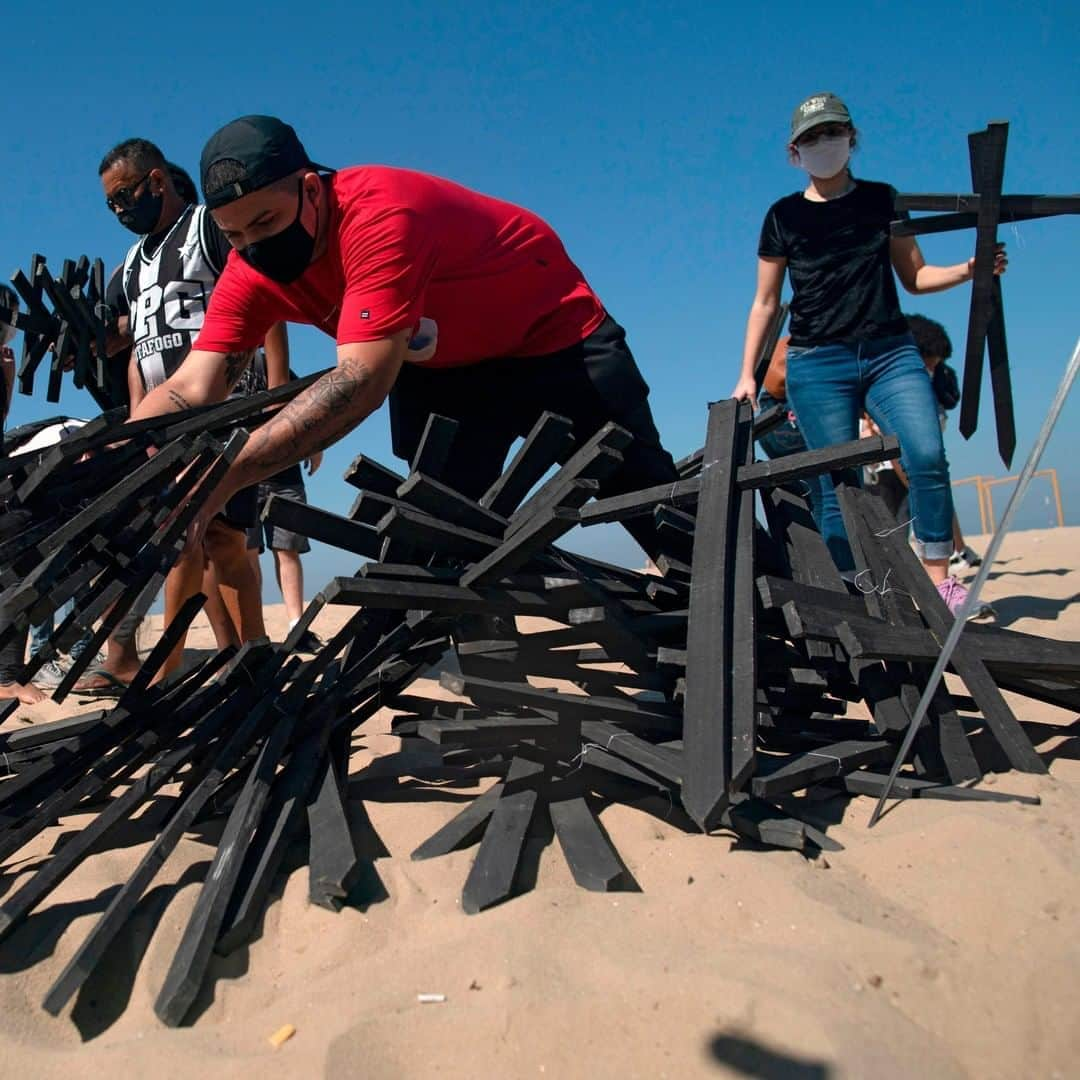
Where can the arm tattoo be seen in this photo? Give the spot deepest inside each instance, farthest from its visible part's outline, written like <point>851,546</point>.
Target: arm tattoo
<point>235,365</point>
<point>322,414</point>
<point>179,400</point>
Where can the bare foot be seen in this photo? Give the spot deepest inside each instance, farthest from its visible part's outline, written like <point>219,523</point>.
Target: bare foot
<point>27,693</point>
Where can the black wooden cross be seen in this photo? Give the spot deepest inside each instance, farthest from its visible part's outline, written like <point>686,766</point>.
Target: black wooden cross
<point>984,210</point>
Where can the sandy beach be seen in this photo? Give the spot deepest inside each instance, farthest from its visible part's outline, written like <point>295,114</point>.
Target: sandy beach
<point>942,943</point>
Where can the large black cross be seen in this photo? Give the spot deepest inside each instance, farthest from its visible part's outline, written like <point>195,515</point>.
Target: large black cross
<point>983,210</point>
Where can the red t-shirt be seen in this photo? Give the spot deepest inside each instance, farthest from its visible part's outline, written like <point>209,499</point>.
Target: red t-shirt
<point>494,277</point>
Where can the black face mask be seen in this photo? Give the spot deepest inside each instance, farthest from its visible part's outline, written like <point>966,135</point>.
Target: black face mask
<point>284,256</point>
<point>143,214</point>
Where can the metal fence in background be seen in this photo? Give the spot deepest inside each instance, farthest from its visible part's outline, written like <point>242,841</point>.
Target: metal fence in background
<point>984,488</point>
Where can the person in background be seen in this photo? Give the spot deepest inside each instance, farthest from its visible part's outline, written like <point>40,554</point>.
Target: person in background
<point>935,347</point>
<point>168,277</point>
<point>785,438</point>
<point>888,480</point>
<point>52,672</point>
<point>185,186</point>
<point>850,349</point>
<point>33,438</point>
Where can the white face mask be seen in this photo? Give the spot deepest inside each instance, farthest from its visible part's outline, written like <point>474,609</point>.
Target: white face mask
<point>826,157</point>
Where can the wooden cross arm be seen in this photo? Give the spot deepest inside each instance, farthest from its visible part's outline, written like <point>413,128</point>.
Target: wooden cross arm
<point>761,474</point>
<point>1033,205</point>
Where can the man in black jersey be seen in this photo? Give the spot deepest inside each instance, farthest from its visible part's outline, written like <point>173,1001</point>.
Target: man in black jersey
<point>162,292</point>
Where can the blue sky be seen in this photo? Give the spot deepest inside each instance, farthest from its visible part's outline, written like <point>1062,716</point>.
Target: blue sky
<point>651,136</point>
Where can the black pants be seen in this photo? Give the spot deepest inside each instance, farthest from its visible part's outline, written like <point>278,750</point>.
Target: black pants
<point>497,401</point>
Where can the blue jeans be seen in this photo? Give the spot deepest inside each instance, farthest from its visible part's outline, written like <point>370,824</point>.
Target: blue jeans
<point>39,635</point>
<point>785,439</point>
<point>830,386</point>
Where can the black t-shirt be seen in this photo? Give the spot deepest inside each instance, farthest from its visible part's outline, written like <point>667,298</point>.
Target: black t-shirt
<point>838,263</point>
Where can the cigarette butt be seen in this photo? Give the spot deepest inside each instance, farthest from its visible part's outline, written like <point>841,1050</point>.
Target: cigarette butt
<point>282,1035</point>
<point>431,999</point>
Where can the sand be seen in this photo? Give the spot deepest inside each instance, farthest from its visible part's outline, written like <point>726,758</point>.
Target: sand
<point>943,943</point>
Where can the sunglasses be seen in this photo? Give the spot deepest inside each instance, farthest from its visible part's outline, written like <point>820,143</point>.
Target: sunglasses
<point>823,131</point>
<point>124,198</point>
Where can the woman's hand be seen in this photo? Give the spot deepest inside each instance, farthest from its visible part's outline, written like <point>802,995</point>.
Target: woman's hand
<point>745,390</point>
<point>1001,262</point>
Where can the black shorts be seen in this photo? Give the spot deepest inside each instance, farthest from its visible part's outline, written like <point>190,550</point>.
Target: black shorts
<point>496,401</point>
<point>263,535</point>
<point>242,510</point>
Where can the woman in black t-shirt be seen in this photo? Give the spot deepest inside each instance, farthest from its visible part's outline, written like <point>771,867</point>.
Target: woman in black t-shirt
<point>850,348</point>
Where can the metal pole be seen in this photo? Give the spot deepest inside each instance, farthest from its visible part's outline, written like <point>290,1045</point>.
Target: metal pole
<point>980,578</point>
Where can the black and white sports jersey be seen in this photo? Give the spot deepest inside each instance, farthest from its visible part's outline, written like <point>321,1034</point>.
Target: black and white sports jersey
<point>167,284</point>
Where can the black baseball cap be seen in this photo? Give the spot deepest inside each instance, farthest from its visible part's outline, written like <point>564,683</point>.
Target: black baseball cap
<point>823,108</point>
<point>263,147</point>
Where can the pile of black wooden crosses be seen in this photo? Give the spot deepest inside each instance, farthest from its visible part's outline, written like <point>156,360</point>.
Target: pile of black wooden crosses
<point>65,318</point>
<point>710,693</point>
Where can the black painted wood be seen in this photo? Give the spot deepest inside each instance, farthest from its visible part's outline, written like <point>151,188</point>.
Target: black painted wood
<point>368,475</point>
<point>969,666</point>
<point>463,829</point>
<point>649,716</point>
<point>707,711</point>
<point>595,459</point>
<point>802,770</point>
<point>744,674</point>
<point>123,903</point>
<point>322,525</point>
<point>334,864</point>
<point>439,500</point>
<point>586,847</point>
<point>987,156</point>
<point>866,782</point>
<point>433,452</point>
<point>492,875</point>
<point>551,440</point>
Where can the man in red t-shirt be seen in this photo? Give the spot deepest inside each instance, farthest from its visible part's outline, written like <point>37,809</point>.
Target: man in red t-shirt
<point>510,326</point>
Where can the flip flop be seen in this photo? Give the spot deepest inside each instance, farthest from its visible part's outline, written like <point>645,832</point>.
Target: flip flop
<point>114,685</point>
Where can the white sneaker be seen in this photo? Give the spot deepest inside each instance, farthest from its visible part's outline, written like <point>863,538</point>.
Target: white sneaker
<point>965,559</point>
<point>64,662</point>
<point>50,676</point>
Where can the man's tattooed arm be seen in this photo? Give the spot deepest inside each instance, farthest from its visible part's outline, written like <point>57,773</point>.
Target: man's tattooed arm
<point>202,379</point>
<point>179,400</point>
<point>325,412</point>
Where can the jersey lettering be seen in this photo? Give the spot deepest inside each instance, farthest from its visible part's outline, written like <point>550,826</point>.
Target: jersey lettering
<point>185,305</point>
<point>167,292</point>
<point>146,308</point>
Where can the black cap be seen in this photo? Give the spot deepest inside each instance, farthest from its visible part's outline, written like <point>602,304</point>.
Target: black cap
<point>263,147</point>
<point>823,108</point>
